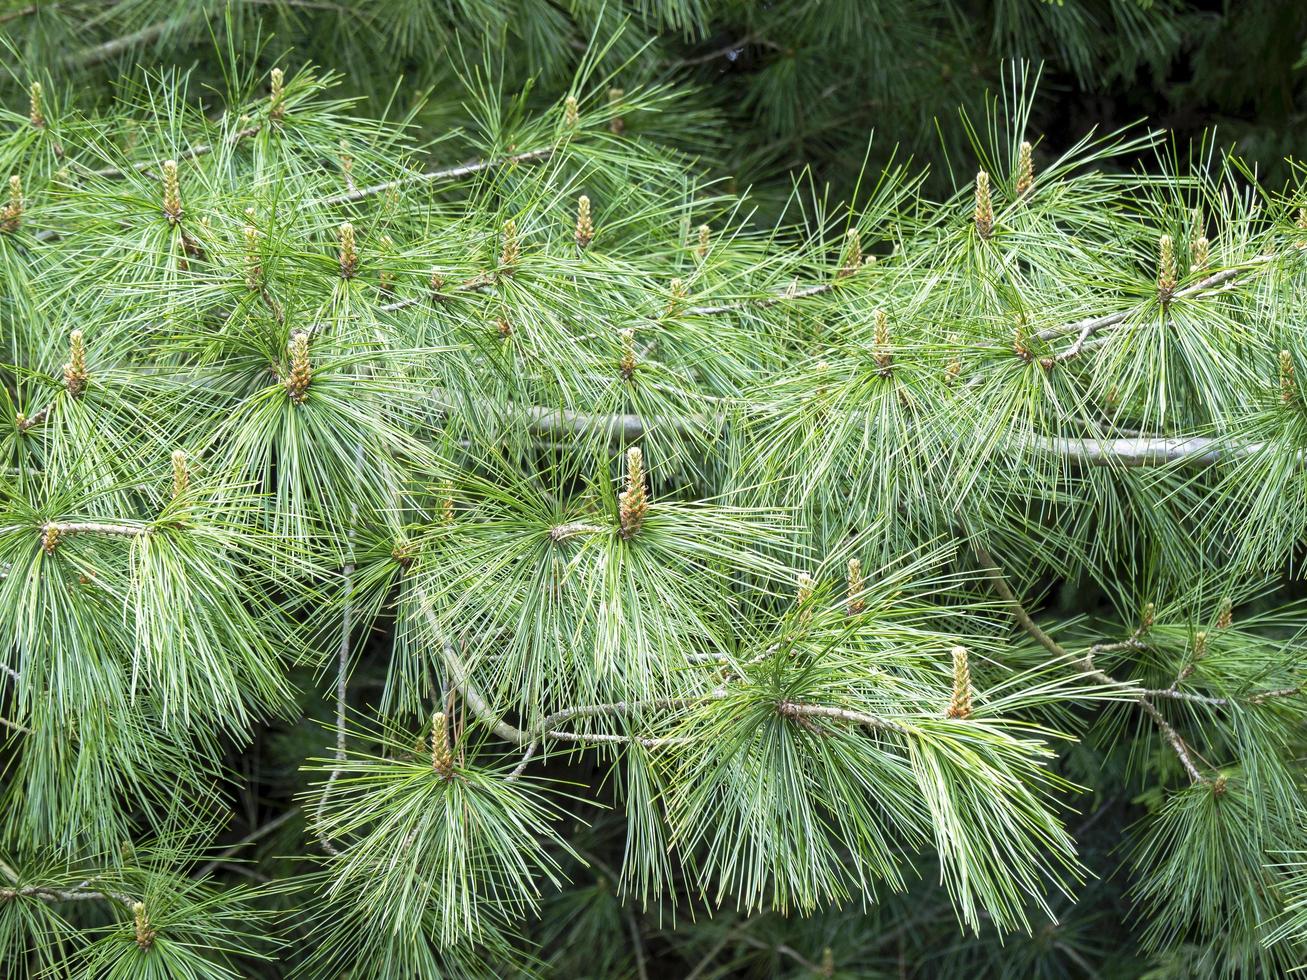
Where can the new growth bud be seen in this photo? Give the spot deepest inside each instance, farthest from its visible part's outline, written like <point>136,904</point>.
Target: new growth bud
<point>1288,388</point>
<point>442,758</point>
<point>852,252</point>
<point>1025,171</point>
<point>959,705</point>
<point>512,248</point>
<point>349,256</point>
<point>75,373</point>
<point>145,933</point>
<point>172,193</point>
<point>181,477</point>
<point>1198,254</point>
<point>679,294</point>
<point>253,260</point>
<point>884,353</point>
<point>615,95</point>
<point>705,239</point>
<point>35,111</point>
<point>1225,615</point>
<point>628,353</point>
<point>633,502</point>
<point>855,602</point>
<point>1021,339</point>
<point>571,112</point>
<point>984,216</point>
<point>276,103</point>
<point>300,374</point>
<point>585,229</point>
<point>804,596</point>
<point>12,216</point>
<point>1167,275</point>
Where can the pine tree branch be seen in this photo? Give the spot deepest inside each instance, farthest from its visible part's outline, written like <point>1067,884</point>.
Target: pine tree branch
<point>447,173</point>
<point>97,527</point>
<point>203,149</point>
<point>1085,663</point>
<point>1090,326</point>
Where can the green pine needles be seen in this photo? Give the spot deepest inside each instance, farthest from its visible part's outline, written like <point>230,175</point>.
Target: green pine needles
<point>661,569</point>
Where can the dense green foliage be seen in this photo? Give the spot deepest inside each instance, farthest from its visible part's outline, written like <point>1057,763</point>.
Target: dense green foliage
<point>799,84</point>
<point>510,552</point>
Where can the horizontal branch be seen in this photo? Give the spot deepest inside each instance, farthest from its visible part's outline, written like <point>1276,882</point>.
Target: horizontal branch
<point>448,173</point>
<point>97,527</point>
<point>1089,326</point>
<point>202,149</point>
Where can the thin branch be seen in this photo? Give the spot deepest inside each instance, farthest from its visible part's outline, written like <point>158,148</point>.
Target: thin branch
<point>1089,326</point>
<point>97,527</point>
<point>816,289</point>
<point>15,726</point>
<point>24,423</point>
<point>1084,663</point>
<point>448,173</point>
<point>202,149</point>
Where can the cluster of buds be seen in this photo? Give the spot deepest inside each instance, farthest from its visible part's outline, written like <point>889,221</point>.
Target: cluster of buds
<point>1025,171</point>
<point>678,297</point>
<point>35,111</point>
<point>984,216</point>
<point>628,363</point>
<point>705,240</point>
<point>172,193</point>
<point>12,215</point>
<point>300,374</point>
<point>504,328</point>
<point>1148,618</point>
<point>447,504</point>
<point>1199,255</point>
<point>1167,273</point>
<point>615,95</point>
<point>349,256</point>
<point>852,253</point>
<point>959,705</point>
<point>145,932</point>
<point>181,476</point>
<point>50,539</point>
<point>807,585</point>
<point>402,554</point>
<point>442,757</point>
<point>857,584</point>
<point>571,112</point>
<point>1225,615</point>
<point>585,229</point>
<point>437,285</point>
<point>633,502</point>
<point>1021,339</point>
<point>511,249</point>
<point>1288,387</point>
<point>884,353</point>
<point>75,373</point>
<point>276,101</point>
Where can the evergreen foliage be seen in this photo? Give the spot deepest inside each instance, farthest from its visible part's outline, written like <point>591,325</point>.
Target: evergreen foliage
<point>675,582</point>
